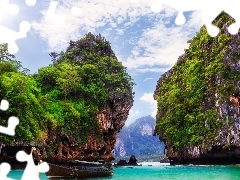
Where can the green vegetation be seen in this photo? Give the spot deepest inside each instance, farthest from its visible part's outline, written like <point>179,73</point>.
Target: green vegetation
<point>24,97</point>
<point>187,115</point>
<point>64,97</point>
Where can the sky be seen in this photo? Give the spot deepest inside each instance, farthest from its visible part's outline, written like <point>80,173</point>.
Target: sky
<point>147,43</point>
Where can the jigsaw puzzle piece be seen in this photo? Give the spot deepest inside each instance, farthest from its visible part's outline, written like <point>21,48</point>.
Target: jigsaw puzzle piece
<point>208,15</point>
<point>180,19</point>
<point>59,19</point>
<point>6,7</point>
<point>30,2</point>
<point>9,36</point>
<point>4,170</point>
<point>133,1</point>
<point>10,130</point>
<point>76,11</point>
<point>157,6</point>
<point>4,105</point>
<point>180,6</point>
<point>210,9</point>
<point>232,9</point>
<point>31,169</point>
<point>183,6</point>
<point>234,28</point>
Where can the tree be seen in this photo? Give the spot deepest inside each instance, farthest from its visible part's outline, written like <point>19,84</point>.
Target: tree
<point>186,95</point>
<point>79,83</point>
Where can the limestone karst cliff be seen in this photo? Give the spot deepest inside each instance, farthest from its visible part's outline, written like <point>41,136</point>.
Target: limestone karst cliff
<point>198,100</point>
<point>71,109</point>
<point>138,139</point>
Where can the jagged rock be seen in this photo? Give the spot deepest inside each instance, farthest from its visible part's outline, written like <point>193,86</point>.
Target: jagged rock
<point>132,161</point>
<point>122,162</point>
<point>224,148</point>
<point>164,160</point>
<point>138,139</point>
<point>60,144</point>
<point>91,151</point>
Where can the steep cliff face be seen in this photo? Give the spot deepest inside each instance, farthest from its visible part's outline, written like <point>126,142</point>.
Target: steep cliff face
<point>198,100</point>
<point>111,119</point>
<point>138,139</point>
<point>114,119</point>
<point>84,100</point>
<point>95,53</point>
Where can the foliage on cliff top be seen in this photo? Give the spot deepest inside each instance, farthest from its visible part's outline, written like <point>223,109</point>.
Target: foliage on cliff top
<point>186,95</point>
<point>24,98</point>
<point>80,82</point>
<point>64,97</point>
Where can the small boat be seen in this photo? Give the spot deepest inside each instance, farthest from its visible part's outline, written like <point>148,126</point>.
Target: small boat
<point>129,167</point>
<point>79,169</point>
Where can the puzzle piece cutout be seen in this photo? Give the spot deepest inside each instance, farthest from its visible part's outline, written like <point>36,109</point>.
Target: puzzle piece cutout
<point>12,121</point>
<point>51,15</point>
<point>10,130</point>
<point>4,170</point>
<point>30,2</point>
<point>8,35</point>
<point>31,171</point>
<point>10,8</point>
<point>210,10</point>
<point>132,1</point>
<point>76,11</point>
<point>58,18</point>
<point>4,105</point>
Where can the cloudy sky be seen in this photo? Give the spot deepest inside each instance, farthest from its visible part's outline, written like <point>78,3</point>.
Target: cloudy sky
<point>147,43</point>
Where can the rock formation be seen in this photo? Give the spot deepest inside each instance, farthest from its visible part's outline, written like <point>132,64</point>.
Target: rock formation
<point>132,161</point>
<point>138,139</point>
<point>198,100</point>
<point>91,136</point>
<point>112,119</point>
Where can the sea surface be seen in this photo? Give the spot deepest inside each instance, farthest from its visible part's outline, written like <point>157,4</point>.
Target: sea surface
<point>154,172</point>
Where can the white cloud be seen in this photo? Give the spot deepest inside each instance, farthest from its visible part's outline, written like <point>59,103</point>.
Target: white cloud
<point>120,31</point>
<point>95,14</point>
<point>161,45</point>
<point>133,113</point>
<point>154,113</point>
<point>146,79</point>
<point>153,69</point>
<point>155,50</point>
<point>148,98</point>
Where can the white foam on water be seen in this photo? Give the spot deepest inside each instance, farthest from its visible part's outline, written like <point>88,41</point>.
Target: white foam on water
<point>154,164</point>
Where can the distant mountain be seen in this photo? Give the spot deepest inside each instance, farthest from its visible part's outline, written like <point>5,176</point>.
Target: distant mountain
<point>138,139</point>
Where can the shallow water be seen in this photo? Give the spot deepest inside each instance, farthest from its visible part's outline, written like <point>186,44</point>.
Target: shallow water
<point>165,172</point>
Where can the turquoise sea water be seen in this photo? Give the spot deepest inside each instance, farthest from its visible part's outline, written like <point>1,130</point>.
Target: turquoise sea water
<point>165,173</point>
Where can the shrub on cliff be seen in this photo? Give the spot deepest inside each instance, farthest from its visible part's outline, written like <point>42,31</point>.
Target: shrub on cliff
<point>190,93</point>
<point>24,97</point>
<point>79,83</point>
<point>64,97</point>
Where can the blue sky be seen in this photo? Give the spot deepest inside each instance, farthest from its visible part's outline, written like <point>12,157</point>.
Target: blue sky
<point>147,43</point>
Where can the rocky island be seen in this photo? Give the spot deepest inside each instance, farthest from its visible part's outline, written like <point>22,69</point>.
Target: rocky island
<point>71,109</point>
<point>198,100</point>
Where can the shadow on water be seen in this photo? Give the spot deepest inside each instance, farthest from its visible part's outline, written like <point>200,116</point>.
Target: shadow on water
<point>100,178</point>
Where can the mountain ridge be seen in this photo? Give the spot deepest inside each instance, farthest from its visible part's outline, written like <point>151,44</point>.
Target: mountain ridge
<point>137,139</point>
